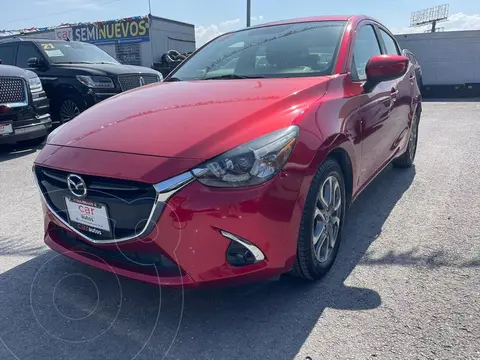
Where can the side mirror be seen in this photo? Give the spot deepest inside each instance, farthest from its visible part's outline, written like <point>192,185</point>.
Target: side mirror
<point>383,68</point>
<point>36,63</point>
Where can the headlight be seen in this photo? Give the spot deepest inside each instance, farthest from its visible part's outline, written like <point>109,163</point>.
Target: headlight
<point>54,132</point>
<point>35,84</point>
<point>249,164</point>
<point>96,82</point>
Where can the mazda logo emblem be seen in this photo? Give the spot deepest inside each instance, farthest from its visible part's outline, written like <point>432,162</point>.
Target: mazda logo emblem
<point>142,81</point>
<point>77,186</point>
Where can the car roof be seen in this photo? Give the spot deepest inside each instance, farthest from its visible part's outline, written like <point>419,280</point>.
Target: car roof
<point>356,18</point>
<point>30,39</point>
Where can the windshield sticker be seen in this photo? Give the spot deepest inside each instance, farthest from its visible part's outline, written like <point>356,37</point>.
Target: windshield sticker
<point>54,53</point>
<point>48,46</point>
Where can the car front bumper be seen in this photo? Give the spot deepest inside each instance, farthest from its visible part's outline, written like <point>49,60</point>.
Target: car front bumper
<point>191,238</point>
<point>92,97</point>
<point>188,243</point>
<point>38,128</point>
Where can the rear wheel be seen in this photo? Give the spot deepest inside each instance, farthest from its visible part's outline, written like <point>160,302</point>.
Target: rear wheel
<point>322,222</point>
<point>406,160</point>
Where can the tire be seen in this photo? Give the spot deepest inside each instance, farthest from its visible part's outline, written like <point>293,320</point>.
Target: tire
<point>69,107</point>
<point>420,85</point>
<point>408,157</point>
<point>309,263</point>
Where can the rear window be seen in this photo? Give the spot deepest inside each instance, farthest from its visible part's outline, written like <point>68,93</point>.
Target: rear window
<point>289,50</point>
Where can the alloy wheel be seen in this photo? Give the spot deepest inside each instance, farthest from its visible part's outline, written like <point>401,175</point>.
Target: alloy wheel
<point>68,110</point>
<point>412,142</point>
<point>326,219</point>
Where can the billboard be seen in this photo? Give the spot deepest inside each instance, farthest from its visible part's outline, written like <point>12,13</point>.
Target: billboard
<point>427,16</point>
<point>121,31</point>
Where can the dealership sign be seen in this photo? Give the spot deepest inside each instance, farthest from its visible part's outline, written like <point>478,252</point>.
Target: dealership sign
<point>111,32</point>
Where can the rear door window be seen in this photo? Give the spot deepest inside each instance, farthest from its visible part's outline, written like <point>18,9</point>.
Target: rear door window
<point>7,54</point>
<point>25,52</point>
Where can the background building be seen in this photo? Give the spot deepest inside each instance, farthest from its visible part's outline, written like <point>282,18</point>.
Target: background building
<point>139,40</point>
<point>447,58</point>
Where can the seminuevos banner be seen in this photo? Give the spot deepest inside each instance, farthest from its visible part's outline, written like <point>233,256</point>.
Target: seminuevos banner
<point>112,32</point>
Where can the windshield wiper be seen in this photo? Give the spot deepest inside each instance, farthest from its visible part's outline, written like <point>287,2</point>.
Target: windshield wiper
<point>233,76</point>
<point>74,62</point>
<point>172,79</point>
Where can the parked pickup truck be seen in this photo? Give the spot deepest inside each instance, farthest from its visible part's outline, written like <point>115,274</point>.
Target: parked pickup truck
<point>75,75</point>
<point>24,107</point>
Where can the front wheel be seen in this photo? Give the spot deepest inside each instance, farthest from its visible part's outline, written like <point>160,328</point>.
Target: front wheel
<point>69,108</point>
<point>322,222</point>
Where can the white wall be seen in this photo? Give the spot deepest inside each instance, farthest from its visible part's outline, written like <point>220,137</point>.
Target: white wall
<point>109,49</point>
<point>447,58</point>
<point>167,34</point>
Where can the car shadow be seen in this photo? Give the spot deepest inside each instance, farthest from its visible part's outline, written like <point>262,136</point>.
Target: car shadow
<point>10,152</point>
<point>53,307</point>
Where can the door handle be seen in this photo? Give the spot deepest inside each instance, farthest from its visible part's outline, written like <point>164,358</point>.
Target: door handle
<point>394,94</point>
<point>412,79</point>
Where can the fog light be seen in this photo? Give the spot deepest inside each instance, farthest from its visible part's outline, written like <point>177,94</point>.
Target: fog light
<point>239,255</point>
<point>241,252</point>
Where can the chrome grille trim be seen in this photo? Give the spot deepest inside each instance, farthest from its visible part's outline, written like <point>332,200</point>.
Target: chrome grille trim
<point>165,190</point>
<point>13,91</point>
<point>129,82</point>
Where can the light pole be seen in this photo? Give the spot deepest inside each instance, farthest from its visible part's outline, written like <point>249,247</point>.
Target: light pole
<point>248,12</point>
<point>149,7</point>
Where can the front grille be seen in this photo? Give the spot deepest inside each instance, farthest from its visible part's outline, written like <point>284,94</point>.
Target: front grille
<point>12,90</point>
<point>151,263</point>
<point>129,203</point>
<point>128,82</point>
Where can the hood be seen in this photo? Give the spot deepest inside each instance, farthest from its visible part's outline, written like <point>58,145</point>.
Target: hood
<point>30,74</point>
<point>191,119</point>
<point>7,70</point>
<point>109,69</point>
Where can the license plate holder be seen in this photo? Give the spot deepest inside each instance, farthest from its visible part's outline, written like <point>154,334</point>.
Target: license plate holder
<point>88,217</point>
<point>6,128</point>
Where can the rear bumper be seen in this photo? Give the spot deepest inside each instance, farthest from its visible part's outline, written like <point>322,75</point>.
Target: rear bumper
<point>38,128</point>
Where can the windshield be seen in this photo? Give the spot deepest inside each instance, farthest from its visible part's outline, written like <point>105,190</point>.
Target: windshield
<point>290,50</point>
<point>75,52</point>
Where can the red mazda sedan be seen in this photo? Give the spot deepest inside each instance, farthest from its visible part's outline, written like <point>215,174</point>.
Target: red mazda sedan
<point>242,164</point>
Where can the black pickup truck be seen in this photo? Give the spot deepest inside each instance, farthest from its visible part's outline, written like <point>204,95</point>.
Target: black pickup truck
<point>24,107</point>
<point>75,75</point>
